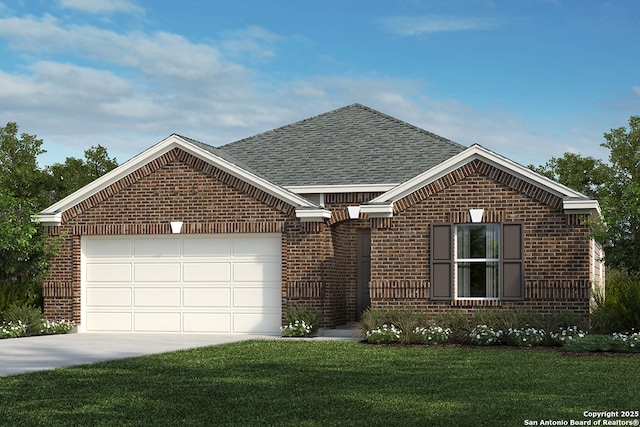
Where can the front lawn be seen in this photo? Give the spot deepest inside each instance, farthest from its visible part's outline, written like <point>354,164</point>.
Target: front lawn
<point>323,383</point>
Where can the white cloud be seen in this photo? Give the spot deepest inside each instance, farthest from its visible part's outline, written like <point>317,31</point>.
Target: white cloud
<point>420,25</point>
<point>636,90</point>
<point>102,6</point>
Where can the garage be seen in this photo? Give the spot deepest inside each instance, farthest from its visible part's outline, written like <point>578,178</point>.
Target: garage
<point>182,283</point>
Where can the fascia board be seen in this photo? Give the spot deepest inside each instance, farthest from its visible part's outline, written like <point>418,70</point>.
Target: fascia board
<point>581,207</point>
<point>472,153</point>
<point>156,151</point>
<point>312,215</point>
<point>377,211</point>
<point>347,188</point>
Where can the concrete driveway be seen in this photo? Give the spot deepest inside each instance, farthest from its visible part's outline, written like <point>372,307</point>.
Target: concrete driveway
<point>21,355</point>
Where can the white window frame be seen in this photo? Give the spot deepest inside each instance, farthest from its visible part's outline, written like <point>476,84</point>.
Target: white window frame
<point>457,260</point>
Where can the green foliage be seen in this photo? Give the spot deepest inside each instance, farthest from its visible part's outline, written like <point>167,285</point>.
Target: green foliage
<point>584,174</point>
<point>310,316</point>
<point>297,328</point>
<point>385,334</point>
<point>458,323</point>
<point>618,310</point>
<point>20,175</point>
<point>322,383</point>
<point>28,315</point>
<point>54,327</point>
<point>373,318</point>
<point>408,321</point>
<point>19,293</point>
<point>75,173</point>
<point>595,343</point>
<point>433,335</point>
<point>504,319</point>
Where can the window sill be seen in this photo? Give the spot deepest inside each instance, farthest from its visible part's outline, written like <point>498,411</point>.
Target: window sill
<point>476,303</point>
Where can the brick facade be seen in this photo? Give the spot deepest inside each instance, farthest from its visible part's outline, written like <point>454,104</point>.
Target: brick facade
<point>319,259</point>
<point>560,261</point>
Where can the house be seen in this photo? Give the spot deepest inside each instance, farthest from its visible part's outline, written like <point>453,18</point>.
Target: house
<point>342,211</point>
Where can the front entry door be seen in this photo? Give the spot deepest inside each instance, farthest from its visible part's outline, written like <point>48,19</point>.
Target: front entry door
<point>363,262</point>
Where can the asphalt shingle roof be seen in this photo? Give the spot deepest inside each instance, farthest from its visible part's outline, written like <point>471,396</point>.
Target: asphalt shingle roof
<point>350,145</point>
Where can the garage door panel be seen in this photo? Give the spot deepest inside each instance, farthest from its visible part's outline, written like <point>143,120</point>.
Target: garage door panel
<point>219,323</point>
<point>157,272</point>
<point>256,323</point>
<point>110,272</point>
<point>266,297</point>
<point>108,248</point>
<point>207,297</point>
<point>182,283</point>
<point>207,247</point>
<point>157,297</point>
<point>106,297</point>
<point>154,247</point>
<point>108,322</point>
<point>157,322</point>
<point>256,272</point>
<point>256,246</point>
<point>207,272</point>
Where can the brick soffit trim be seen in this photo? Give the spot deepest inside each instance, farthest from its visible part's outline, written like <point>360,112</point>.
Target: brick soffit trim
<point>483,169</point>
<point>141,165</point>
<point>186,158</point>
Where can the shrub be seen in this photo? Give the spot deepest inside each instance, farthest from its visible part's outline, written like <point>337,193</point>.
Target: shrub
<point>618,308</point>
<point>373,318</point>
<point>297,328</point>
<point>18,294</point>
<point>28,315</point>
<point>562,335</point>
<point>485,335</point>
<point>456,322</point>
<point>526,337</point>
<point>432,335</point>
<point>627,342</point>
<point>12,330</point>
<point>56,327</point>
<point>310,316</point>
<point>591,343</point>
<point>386,334</point>
<point>407,321</point>
<point>504,319</point>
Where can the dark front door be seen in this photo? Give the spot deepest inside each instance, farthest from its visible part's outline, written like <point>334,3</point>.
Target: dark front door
<point>363,262</point>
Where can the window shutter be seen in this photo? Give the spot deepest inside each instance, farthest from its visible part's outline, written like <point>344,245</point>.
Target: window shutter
<point>512,266</point>
<point>441,261</point>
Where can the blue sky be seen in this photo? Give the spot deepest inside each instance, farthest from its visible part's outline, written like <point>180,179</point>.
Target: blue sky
<point>529,79</point>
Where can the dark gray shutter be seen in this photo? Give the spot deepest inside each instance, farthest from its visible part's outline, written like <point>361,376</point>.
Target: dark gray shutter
<point>441,261</point>
<point>512,266</point>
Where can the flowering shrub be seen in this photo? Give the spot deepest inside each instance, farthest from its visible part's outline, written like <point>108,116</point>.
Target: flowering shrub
<point>298,328</point>
<point>627,342</point>
<point>484,335</point>
<point>566,334</point>
<point>386,334</point>
<point>11,330</point>
<point>433,335</point>
<point>526,337</point>
<point>50,327</point>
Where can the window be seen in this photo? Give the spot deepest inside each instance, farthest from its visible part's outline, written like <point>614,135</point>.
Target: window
<point>477,261</point>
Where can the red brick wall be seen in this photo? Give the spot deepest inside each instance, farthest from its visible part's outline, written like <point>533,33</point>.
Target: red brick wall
<point>556,247</point>
<point>176,186</point>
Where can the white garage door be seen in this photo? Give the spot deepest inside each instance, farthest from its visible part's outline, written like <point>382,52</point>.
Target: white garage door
<point>182,283</point>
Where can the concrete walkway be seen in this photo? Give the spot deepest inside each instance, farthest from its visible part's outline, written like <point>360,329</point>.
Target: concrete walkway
<point>21,355</point>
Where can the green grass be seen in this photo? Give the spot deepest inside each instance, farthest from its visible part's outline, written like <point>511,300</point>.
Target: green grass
<point>324,383</point>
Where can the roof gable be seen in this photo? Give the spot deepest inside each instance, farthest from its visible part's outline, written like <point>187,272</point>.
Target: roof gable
<point>350,146</point>
<point>53,214</point>
<point>574,201</point>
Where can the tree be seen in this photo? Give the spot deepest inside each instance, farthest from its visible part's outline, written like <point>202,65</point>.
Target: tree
<point>615,185</point>
<point>23,252</point>
<point>584,174</point>
<point>19,171</point>
<point>26,189</point>
<point>621,203</point>
<point>75,173</point>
